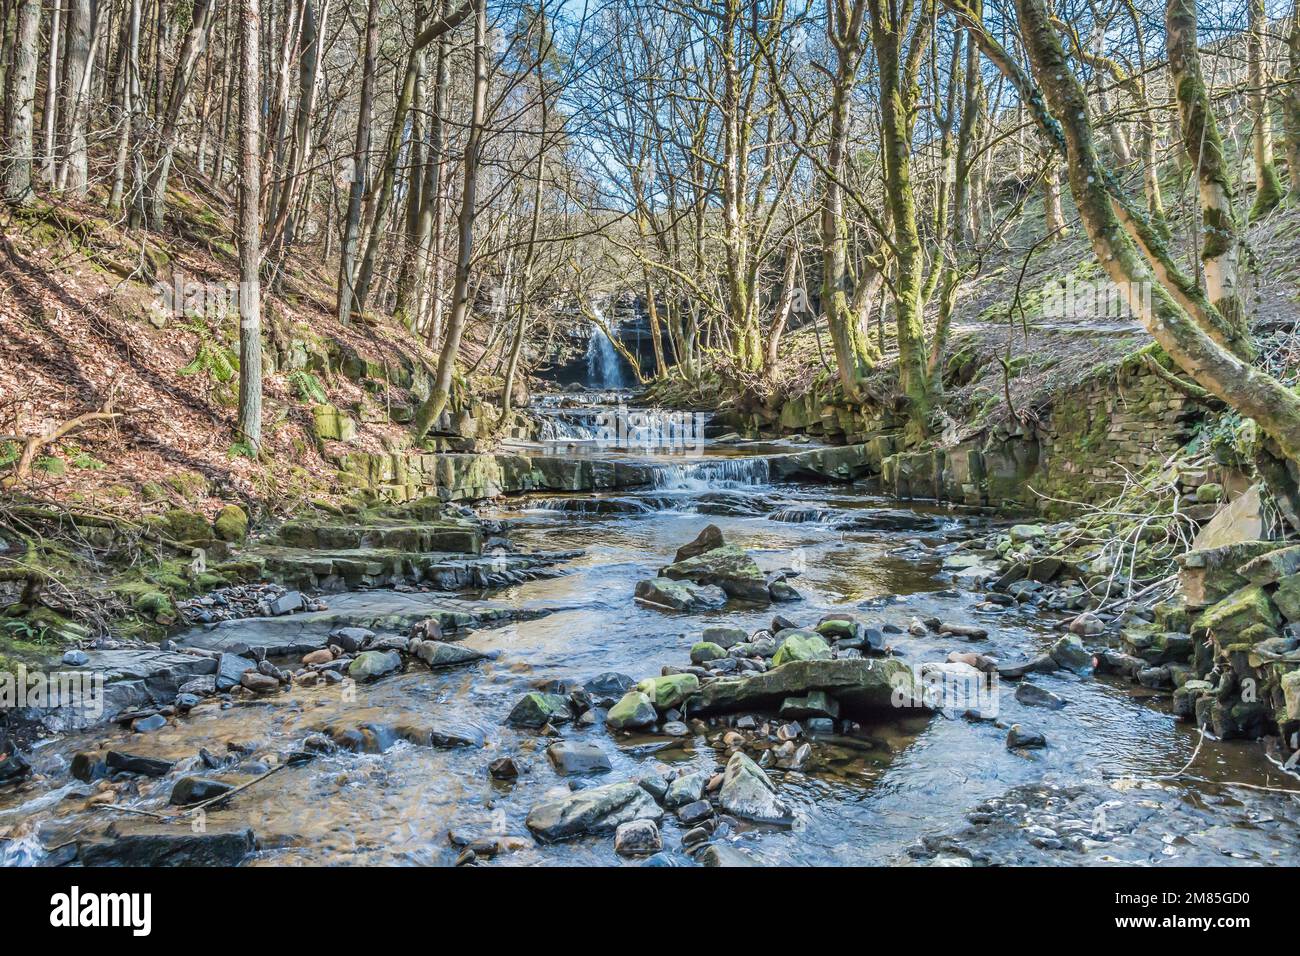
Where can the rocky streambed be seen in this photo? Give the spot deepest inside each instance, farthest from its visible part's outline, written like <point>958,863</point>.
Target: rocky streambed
<point>827,679</point>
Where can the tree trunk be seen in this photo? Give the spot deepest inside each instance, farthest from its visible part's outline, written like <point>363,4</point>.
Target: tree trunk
<point>1111,225</point>
<point>249,426</point>
<point>1268,191</point>
<point>432,407</point>
<point>74,173</point>
<point>1291,104</point>
<point>160,160</point>
<point>1220,240</point>
<point>17,186</point>
<point>51,93</point>
<point>360,164</point>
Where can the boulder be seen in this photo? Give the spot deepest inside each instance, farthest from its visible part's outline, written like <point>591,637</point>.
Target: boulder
<point>1243,617</point>
<point>688,788</point>
<point>607,689</point>
<point>536,709</point>
<point>591,810</point>
<point>704,651</point>
<point>1023,738</point>
<point>440,654</point>
<point>861,686</point>
<point>670,691</point>
<point>818,703</point>
<point>137,843</point>
<point>1070,653</point>
<point>728,567</point>
<point>1240,521</point>
<point>801,646</point>
<point>678,595</point>
<point>706,540</point>
<point>1272,566</point>
<point>575,757</point>
<point>638,838</point>
<point>1287,597</point>
<point>1031,695</point>
<point>747,793</point>
<point>1208,575</point>
<point>190,790</point>
<point>371,665</point>
<point>231,524</point>
<point>725,636</point>
<point>633,712</point>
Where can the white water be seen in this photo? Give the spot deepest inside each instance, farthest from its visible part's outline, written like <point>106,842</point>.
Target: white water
<point>604,365</point>
<point>714,473</point>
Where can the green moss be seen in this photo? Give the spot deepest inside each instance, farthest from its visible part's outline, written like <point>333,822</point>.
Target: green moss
<point>231,524</point>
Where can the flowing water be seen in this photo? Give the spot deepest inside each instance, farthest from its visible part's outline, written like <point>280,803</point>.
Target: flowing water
<point>905,778</point>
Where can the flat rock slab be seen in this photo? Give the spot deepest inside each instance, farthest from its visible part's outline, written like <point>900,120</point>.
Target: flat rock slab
<point>138,843</point>
<point>377,610</point>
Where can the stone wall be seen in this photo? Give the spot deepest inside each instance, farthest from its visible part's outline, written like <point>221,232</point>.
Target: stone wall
<point>1079,450</point>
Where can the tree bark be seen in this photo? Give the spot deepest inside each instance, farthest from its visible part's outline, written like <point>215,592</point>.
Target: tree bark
<point>249,426</point>
<point>19,139</point>
<point>432,407</point>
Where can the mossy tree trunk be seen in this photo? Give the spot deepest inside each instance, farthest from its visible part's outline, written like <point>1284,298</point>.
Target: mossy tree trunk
<point>899,96</point>
<point>1268,191</point>
<point>1169,305</point>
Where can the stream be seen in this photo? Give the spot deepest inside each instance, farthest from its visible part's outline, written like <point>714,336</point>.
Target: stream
<point>908,778</point>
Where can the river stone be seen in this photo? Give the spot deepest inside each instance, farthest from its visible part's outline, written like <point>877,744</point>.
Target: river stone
<point>260,683</point>
<point>1031,695</point>
<point>1042,664</point>
<point>188,790</point>
<point>747,793</point>
<point>439,654</point>
<point>536,709</point>
<point>1022,738</point>
<point>678,595</point>
<point>575,757</point>
<point>632,712</point>
<point>638,838</point>
<point>138,843</point>
<point>706,540</point>
<point>370,665</point>
<point>685,789</point>
<point>862,686</point>
<point>704,651</point>
<point>839,626</point>
<point>801,646</point>
<point>1185,697</point>
<point>351,639</point>
<point>133,763</point>
<point>608,688</point>
<point>592,810</point>
<point>669,691</point>
<point>230,668</point>
<point>725,636</point>
<point>728,567</point>
<point>816,704</point>
<point>1070,653</point>
<point>1290,694</point>
<point>725,855</point>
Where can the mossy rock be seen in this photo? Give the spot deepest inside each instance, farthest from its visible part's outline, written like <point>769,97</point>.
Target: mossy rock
<point>231,524</point>
<point>190,485</point>
<point>187,527</point>
<point>152,492</point>
<point>1245,616</point>
<point>801,645</point>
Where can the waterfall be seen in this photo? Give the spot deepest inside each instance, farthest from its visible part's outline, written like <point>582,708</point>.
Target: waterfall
<point>715,473</point>
<point>604,364</point>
